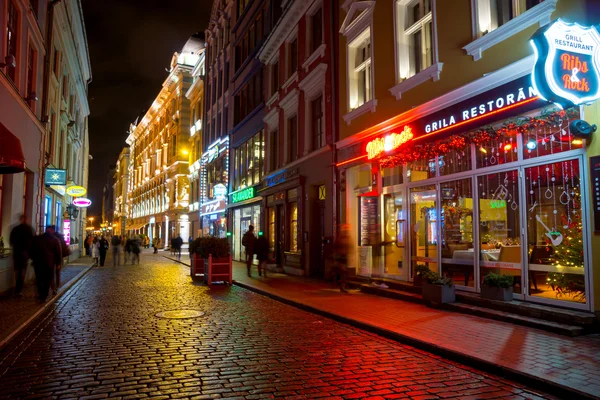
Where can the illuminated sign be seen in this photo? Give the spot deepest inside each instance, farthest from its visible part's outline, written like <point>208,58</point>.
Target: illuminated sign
<point>67,231</point>
<point>56,176</point>
<point>281,177</point>
<point>388,143</point>
<point>219,191</point>
<point>567,65</point>
<point>76,191</point>
<point>213,207</point>
<point>241,195</point>
<point>82,202</point>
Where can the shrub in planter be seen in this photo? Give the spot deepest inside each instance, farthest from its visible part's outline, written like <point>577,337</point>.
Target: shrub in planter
<point>438,289</point>
<point>420,272</point>
<point>207,245</point>
<point>497,287</point>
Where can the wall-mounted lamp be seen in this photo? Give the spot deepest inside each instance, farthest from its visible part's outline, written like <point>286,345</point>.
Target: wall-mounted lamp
<point>32,97</point>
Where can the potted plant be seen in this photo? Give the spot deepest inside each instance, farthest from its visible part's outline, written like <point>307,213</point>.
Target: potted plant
<point>420,271</point>
<point>438,289</point>
<point>497,287</point>
<point>212,259</point>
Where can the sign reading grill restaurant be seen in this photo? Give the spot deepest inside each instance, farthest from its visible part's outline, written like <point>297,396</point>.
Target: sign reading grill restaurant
<point>242,195</point>
<point>567,66</point>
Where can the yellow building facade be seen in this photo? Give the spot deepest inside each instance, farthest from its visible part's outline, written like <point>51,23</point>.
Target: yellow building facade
<point>159,156</point>
<point>447,157</point>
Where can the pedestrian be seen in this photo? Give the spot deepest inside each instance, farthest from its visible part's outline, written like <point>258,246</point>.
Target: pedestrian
<point>21,238</point>
<point>341,249</point>
<point>96,251</point>
<point>127,248</point>
<point>172,246</point>
<point>87,243</point>
<point>116,250</point>
<point>65,252</point>
<point>178,243</point>
<point>248,241</point>
<point>46,255</point>
<point>261,248</point>
<point>135,250</point>
<point>190,247</point>
<point>103,250</point>
<point>155,244</point>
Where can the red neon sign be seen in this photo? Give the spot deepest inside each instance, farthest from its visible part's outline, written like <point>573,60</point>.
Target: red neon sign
<point>390,142</point>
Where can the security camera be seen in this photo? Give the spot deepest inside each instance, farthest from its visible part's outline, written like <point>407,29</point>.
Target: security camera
<point>9,61</point>
<point>581,128</point>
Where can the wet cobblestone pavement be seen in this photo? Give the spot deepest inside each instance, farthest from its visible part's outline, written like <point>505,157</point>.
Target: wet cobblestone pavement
<point>102,339</point>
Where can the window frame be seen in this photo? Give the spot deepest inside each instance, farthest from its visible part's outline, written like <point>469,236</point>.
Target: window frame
<point>12,72</point>
<point>31,75</point>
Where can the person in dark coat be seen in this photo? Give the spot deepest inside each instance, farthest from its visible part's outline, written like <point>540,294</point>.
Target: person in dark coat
<point>248,241</point>
<point>46,255</point>
<point>261,249</point>
<point>21,238</point>
<point>103,250</point>
<point>177,243</point>
<point>135,250</point>
<point>65,252</point>
<point>116,248</point>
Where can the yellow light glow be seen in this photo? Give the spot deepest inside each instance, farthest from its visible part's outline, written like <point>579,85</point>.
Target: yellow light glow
<point>484,151</point>
<point>577,142</point>
<point>185,152</point>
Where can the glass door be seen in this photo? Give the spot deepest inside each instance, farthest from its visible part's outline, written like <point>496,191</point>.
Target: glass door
<point>424,227</point>
<point>555,234</point>
<point>395,231</point>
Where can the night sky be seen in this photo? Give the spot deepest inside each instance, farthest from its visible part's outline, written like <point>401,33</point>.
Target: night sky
<point>131,43</point>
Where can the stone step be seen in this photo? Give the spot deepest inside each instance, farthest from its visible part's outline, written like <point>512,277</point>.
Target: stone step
<point>550,326</point>
<point>392,294</point>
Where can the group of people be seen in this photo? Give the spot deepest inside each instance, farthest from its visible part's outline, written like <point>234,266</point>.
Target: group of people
<point>46,251</point>
<point>97,247</point>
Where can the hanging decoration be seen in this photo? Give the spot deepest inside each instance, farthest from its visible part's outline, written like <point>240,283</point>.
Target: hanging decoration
<point>412,151</point>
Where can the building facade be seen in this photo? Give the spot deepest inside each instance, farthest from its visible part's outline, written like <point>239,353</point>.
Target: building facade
<point>448,157</point>
<point>108,200</point>
<point>159,155</point>
<point>300,72</point>
<point>120,193</point>
<point>215,142</point>
<point>196,95</point>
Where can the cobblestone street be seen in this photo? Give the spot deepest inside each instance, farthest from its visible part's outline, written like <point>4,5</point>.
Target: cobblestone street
<point>103,339</point>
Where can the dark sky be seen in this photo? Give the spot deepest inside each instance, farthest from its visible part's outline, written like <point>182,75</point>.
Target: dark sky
<point>131,43</point>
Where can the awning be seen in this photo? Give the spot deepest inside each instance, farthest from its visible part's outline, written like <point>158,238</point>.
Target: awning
<point>12,160</point>
<point>137,226</point>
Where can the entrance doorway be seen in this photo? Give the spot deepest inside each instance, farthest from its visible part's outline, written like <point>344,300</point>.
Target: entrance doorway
<point>424,227</point>
<point>317,239</point>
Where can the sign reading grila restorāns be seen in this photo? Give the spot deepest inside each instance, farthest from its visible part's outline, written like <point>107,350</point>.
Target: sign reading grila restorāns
<point>567,66</point>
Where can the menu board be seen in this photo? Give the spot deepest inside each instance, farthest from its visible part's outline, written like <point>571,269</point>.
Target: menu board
<point>368,221</point>
<point>595,173</point>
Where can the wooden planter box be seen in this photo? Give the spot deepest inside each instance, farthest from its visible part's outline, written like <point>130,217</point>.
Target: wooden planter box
<point>418,280</point>
<point>495,293</point>
<point>438,294</point>
<point>198,268</point>
<point>218,270</point>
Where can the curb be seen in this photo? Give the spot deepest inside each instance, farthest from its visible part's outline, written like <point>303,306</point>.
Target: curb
<point>46,305</point>
<point>177,261</point>
<point>533,381</point>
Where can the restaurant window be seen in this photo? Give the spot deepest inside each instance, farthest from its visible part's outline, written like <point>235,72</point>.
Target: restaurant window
<point>392,176</point>
<point>421,169</point>
<point>318,134</point>
<point>551,138</point>
<point>499,225</point>
<point>272,229</point>
<point>556,262</point>
<point>455,161</point>
<point>458,253</point>
<point>424,227</point>
<point>316,30</point>
<point>293,220</point>
<point>497,151</point>
<point>12,33</point>
<point>293,138</point>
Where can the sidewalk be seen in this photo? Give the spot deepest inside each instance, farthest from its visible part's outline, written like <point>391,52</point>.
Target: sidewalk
<point>16,312</point>
<point>551,362</point>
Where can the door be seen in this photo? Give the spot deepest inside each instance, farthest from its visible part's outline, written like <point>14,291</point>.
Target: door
<point>395,227</point>
<point>245,223</point>
<point>317,240</point>
<point>280,234</point>
<point>424,227</point>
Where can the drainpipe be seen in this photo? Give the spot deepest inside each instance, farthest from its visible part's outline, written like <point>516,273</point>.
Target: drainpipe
<point>335,111</point>
<point>45,96</point>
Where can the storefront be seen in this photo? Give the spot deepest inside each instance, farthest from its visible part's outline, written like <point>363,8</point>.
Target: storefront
<point>213,189</point>
<point>492,183</point>
<point>244,209</point>
<point>214,222</point>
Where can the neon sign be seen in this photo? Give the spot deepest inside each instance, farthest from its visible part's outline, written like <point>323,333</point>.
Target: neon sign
<point>82,202</point>
<point>390,142</point>
<point>76,191</point>
<point>566,70</point>
<point>243,194</point>
<point>67,231</point>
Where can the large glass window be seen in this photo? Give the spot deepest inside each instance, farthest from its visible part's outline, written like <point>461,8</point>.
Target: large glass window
<point>550,139</point>
<point>458,254</point>
<point>421,170</point>
<point>293,218</point>
<point>318,133</point>
<point>424,228</point>
<point>555,231</point>
<point>394,238</point>
<point>249,162</point>
<point>500,150</point>
<point>455,161</point>
<point>499,226</point>
<point>392,176</point>
<point>316,29</point>
<point>12,32</point>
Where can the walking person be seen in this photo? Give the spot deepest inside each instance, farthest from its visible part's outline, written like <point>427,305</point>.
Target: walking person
<point>248,241</point>
<point>116,250</point>
<point>172,246</point>
<point>262,254</point>
<point>96,251</point>
<point>177,244</point>
<point>21,238</point>
<point>127,248</point>
<point>135,250</point>
<point>46,255</point>
<point>103,249</point>
<point>88,243</point>
<point>155,245</point>
<point>65,252</point>
<point>341,249</point>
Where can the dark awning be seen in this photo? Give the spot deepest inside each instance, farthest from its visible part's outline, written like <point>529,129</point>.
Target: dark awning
<point>12,160</point>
